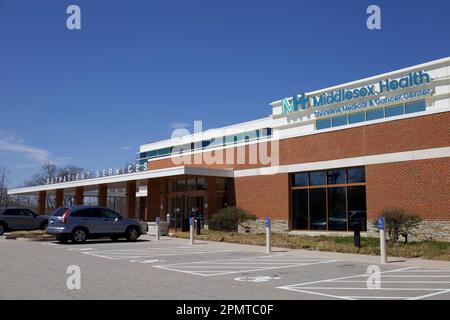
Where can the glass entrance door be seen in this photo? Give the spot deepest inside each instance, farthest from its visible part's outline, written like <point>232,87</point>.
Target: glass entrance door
<point>177,212</point>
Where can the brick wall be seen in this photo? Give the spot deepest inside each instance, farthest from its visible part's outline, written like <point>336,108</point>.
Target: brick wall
<point>264,195</point>
<point>422,186</point>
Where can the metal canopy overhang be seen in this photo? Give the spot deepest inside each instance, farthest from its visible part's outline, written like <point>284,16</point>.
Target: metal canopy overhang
<point>119,181</point>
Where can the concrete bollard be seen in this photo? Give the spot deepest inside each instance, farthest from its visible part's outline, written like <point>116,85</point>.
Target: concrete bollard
<point>268,236</point>
<point>158,232</point>
<point>383,249</point>
<point>191,230</point>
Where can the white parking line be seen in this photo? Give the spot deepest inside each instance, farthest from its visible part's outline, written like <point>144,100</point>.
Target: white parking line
<point>151,252</point>
<point>248,264</point>
<point>399,276</point>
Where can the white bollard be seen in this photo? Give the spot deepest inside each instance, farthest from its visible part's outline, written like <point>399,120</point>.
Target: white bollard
<point>383,250</point>
<point>191,230</point>
<point>268,237</point>
<point>158,232</point>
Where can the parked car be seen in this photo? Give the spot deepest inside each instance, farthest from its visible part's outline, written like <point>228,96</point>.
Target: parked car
<point>79,223</point>
<point>15,219</point>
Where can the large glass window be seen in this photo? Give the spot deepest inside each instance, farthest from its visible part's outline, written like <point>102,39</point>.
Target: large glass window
<point>356,175</point>
<point>318,209</point>
<point>301,179</point>
<point>337,214</point>
<point>332,200</point>
<point>336,176</point>
<point>317,178</point>
<point>300,209</point>
<point>357,212</point>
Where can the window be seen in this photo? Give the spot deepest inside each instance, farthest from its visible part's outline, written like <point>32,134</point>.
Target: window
<point>59,212</point>
<point>336,176</point>
<point>333,200</point>
<point>201,184</point>
<point>357,207</point>
<point>26,213</point>
<point>356,175</point>
<point>221,184</point>
<point>109,214</point>
<point>416,106</point>
<point>301,179</point>
<point>317,209</point>
<point>191,184</point>
<point>317,178</point>
<point>323,124</point>
<point>163,152</point>
<point>11,212</point>
<point>206,143</point>
<point>375,114</point>
<point>181,185</point>
<point>337,214</point>
<point>217,142</point>
<point>152,154</point>
<point>394,110</point>
<point>356,117</point>
<point>300,209</point>
<point>252,135</point>
<point>339,121</point>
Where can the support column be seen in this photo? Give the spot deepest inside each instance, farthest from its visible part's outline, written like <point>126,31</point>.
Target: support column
<point>103,195</point>
<point>131,199</point>
<point>79,196</point>
<point>163,200</point>
<point>42,202</point>
<point>153,205</point>
<point>211,197</point>
<point>59,198</point>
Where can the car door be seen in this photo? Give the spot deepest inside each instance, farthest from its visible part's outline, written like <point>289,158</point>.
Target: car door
<point>28,219</point>
<point>112,222</point>
<point>94,220</point>
<point>13,218</point>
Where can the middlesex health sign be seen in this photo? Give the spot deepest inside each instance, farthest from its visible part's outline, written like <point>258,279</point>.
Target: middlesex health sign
<point>363,97</point>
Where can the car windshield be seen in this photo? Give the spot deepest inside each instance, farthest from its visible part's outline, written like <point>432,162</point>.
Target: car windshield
<point>59,212</point>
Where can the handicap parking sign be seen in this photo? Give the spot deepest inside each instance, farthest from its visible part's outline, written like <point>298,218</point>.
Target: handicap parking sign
<point>380,223</point>
<point>267,222</point>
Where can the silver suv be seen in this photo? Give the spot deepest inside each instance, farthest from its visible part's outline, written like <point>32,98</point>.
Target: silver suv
<point>79,223</point>
<point>21,219</point>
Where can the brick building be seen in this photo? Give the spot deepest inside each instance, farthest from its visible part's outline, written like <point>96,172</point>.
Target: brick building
<point>321,162</point>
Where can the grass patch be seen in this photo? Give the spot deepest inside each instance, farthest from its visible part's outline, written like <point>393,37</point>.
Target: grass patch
<point>432,250</point>
<point>37,235</point>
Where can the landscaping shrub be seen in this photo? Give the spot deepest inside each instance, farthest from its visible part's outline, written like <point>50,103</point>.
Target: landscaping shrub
<point>229,218</point>
<point>399,222</point>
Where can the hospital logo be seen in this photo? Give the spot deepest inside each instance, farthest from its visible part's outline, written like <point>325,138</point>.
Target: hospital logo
<point>293,105</point>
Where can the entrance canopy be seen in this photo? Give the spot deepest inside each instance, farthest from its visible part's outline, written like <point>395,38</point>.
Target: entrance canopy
<point>120,181</point>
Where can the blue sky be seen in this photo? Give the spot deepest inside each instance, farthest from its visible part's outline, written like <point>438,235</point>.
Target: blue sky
<point>137,69</point>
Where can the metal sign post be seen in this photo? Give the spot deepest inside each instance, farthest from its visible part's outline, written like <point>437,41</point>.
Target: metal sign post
<point>383,251</point>
<point>157,229</point>
<point>191,230</point>
<point>268,237</point>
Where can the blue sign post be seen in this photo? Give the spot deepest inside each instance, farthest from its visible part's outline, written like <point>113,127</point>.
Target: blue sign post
<point>268,236</point>
<point>383,250</point>
<point>380,223</point>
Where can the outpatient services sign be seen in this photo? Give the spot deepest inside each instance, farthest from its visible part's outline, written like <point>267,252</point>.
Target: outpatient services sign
<point>364,97</point>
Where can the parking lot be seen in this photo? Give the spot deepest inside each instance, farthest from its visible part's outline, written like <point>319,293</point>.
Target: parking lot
<point>172,269</point>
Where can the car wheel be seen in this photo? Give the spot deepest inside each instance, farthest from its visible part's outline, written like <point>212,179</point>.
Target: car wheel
<point>2,229</point>
<point>79,235</point>
<point>132,234</point>
<point>62,240</point>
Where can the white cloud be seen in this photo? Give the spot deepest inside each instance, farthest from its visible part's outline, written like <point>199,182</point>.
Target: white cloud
<point>11,143</point>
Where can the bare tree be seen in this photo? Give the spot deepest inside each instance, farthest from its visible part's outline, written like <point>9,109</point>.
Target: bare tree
<point>4,198</point>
